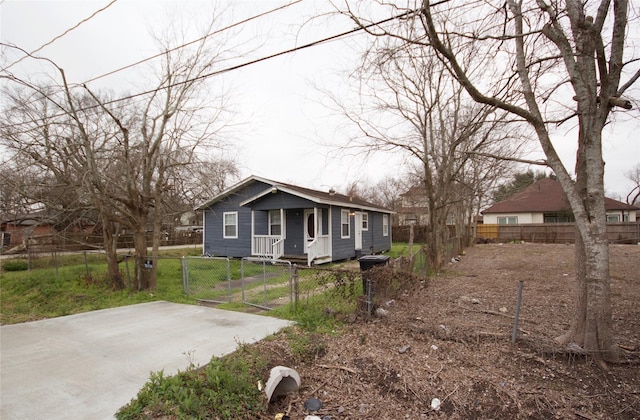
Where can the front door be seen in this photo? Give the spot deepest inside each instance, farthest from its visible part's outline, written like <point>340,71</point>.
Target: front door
<point>309,228</point>
<point>357,231</point>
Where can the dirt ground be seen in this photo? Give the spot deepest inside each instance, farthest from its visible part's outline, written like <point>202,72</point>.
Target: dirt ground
<point>450,338</point>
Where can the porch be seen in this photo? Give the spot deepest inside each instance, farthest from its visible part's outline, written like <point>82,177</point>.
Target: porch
<point>318,250</point>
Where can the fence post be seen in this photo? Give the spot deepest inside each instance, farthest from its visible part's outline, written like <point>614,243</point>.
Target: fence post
<point>264,283</point>
<point>55,261</point>
<point>242,277</point>
<point>369,297</point>
<point>185,280</point>
<point>126,264</point>
<point>515,320</point>
<point>296,290</point>
<point>86,265</point>
<point>229,290</point>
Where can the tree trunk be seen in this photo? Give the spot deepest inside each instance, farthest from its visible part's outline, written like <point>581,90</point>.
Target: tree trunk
<point>592,327</point>
<point>156,240</point>
<point>435,241</point>
<point>143,272</point>
<point>110,248</point>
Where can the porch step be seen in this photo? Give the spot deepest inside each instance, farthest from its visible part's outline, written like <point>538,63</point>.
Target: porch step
<point>298,259</point>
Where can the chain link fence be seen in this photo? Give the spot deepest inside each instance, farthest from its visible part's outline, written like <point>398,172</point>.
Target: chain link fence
<point>266,283</point>
<point>208,278</point>
<point>332,289</point>
<point>91,268</point>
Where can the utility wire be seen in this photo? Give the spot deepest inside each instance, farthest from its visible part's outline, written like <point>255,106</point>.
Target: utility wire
<point>244,21</point>
<point>258,60</point>
<point>194,41</point>
<point>61,35</point>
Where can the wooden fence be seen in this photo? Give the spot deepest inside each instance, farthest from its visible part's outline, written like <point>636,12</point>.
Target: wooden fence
<point>618,233</point>
<point>79,242</point>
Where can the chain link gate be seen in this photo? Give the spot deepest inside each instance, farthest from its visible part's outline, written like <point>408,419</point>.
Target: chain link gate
<point>207,278</point>
<point>266,283</point>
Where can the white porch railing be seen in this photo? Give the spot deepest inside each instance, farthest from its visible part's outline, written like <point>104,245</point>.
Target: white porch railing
<point>318,248</point>
<point>271,246</point>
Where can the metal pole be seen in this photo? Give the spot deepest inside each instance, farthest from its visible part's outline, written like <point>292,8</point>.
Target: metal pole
<point>295,287</point>
<point>369,284</point>
<point>264,281</point>
<point>229,293</point>
<point>86,265</point>
<point>242,277</point>
<point>126,263</point>
<point>515,321</point>
<point>185,270</point>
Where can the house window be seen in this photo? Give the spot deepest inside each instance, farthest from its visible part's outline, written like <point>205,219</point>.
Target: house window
<point>613,218</point>
<point>365,221</point>
<point>345,225</point>
<point>385,225</point>
<point>562,217</point>
<point>275,223</point>
<point>230,220</point>
<point>508,220</point>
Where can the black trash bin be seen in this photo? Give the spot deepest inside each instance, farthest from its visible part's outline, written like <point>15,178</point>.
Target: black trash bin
<point>366,263</point>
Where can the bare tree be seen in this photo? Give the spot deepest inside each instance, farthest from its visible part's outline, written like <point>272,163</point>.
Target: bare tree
<point>190,185</point>
<point>550,62</point>
<point>123,154</point>
<point>17,190</point>
<point>634,175</point>
<point>409,104</point>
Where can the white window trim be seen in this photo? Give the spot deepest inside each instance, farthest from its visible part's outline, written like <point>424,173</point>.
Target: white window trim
<point>365,221</point>
<point>279,213</point>
<point>342,214</point>
<point>224,225</point>
<point>385,225</point>
<point>611,216</point>
<point>506,219</point>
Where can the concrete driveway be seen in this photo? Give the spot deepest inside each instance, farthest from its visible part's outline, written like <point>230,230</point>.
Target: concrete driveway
<point>87,366</point>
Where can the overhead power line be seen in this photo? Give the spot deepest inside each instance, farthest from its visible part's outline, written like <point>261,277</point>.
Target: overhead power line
<point>268,57</point>
<point>258,60</point>
<point>242,22</point>
<point>61,35</point>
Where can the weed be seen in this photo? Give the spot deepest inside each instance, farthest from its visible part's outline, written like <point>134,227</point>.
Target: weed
<point>306,347</point>
<point>223,389</point>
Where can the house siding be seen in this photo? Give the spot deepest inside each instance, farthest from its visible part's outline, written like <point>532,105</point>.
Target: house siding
<point>214,243</point>
<point>492,218</point>
<point>258,199</point>
<point>282,200</point>
<point>630,214</point>
<point>528,218</point>
<point>343,248</point>
<point>373,240</point>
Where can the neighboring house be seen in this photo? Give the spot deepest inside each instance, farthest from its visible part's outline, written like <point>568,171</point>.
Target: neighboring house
<point>263,218</point>
<point>17,231</point>
<point>544,201</point>
<point>413,207</point>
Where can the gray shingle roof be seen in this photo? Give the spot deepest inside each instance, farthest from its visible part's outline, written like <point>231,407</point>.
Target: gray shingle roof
<point>324,197</point>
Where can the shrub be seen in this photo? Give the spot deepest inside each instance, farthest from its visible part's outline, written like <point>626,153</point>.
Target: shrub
<point>15,265</point>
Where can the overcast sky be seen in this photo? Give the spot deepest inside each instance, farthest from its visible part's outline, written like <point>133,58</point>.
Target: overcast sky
<point>283,126</point>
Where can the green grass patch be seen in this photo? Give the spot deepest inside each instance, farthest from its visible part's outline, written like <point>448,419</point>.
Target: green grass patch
<point>72,287</point>
<point>226,388</point>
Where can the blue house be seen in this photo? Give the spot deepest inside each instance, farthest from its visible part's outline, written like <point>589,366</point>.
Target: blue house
<point>263,218</point>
